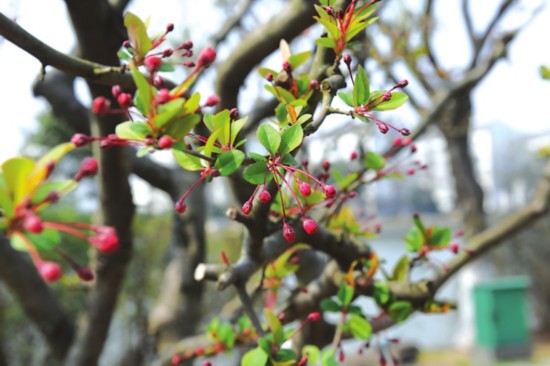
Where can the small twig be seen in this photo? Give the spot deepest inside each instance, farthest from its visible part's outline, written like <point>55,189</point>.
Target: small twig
<point>248,308</point>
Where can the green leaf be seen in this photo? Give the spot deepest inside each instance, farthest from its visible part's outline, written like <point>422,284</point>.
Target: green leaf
<point>374,161</point>
<point>255,357</point>
<point>144,92</point>
<point>400,310</point>
<point>440,237</point>
<point>414,240</point>
<point>360,327</point>
<point>396,101</point>
<point>284,357</point>
<point>256,173</point>
<point>330,305</point>
<point>47,240</point>
<point>46,188</point>
<point>167,112</point>
<point>325,42</point>
<point>361,89</point>
<point>264,71</point>
<point>381,293</point>
<point>269,137</point>
<point>229,161</point>
<point>133,131</point>
<point>275,326</point>
<point>346,97</point>
<point>345,294</point>
<point>16,173</point>
<point>144,150</point>
<point>312,353</point>
<point>137,32</point>
<point>236,127</point>
<point>327,357</point>
<point>545,72</point>
<point>222,122</point>
<point>257,157</point>
<point>187,161</point>
<point>401,269</point>
<point>179,128</point>
<point>281,94</point>
<point>291,139</point>
<point>298,59</point>
<point>6,204</point>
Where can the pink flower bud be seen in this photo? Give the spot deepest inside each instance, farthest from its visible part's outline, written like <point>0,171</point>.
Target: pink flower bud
<point>116,90</point>
<point>49,271</point>
<point>353,155</point>
<point>269,77</point>
<point>153,63</point>
<point>265,197</point>
<point>347,59</point>
<point>397,141</point>
<point>167,53</point>
<point>247,207</point>
<point>313,317</point>
<point>163,96</point>
<point>287,67</point>
<point>206,57</point>
<point>106,239</point>
<point>88,168</point>
<point>309,225</point>
<point>80,139</point>
<point>305,189</point>
<point>454,247</point>
<point>302,362</point>
<point>212,101</point>
<point>383,128</point>
<point>288,233</point>
<point>101,105</point>
<point>165,142</point>
<point>187,45</point>
<point>314,84</point>
<point>180,207</point>
<point>32,223</point>
<point>330,191</point>
<point>169,27</point>
<point>326,165</point>
<point>125,100</point>
<point>402,84</point>
<point>405,132</point>
<point>158,81</point>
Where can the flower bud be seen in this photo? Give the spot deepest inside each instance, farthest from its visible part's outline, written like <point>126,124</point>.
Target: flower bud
<point>305,189</point>
<point>247,207</point>
<point>265,197</point>
<point>288,233</point>
<point>153,63</point>
<point>88,168</point>
<point>101,105</point>
<point>206,57</point>
<point>50,271</point>
<point>309,225</point>
<point>165,142</point>
<point>329,191</point>
<point>32,223</point>
<point>212,101</point>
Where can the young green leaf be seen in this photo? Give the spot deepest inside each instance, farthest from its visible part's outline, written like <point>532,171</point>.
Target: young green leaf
<point>275,326</point>
<point>298,59</point>
<point>256,173</point>
<point>291,139</point>
<point>330,305</point>
<point>269,137</point>
<point>345,294</point>
<point>16,173</point>
<point>414,240</point>
<point>440,237</point>
<point>312,353</point>
<point>381,293</point>
<point>346,97</point>
<point>360,327</point>
<point>229,161</point>
<point>187,161</point>
<point>137,32</point>
<point>400,310</point>
<point>396,101</point>
<point>361,89</point>
<point>133,130</point>
<point>255,357</point>
<point>401,269</point>
<point>144,92</point>
<point>374,161</point>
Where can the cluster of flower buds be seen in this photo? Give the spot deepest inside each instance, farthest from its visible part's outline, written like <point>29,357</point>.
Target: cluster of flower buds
<point>284,175</point>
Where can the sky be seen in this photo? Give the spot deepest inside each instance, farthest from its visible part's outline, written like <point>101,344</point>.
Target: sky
<point>512,94</point>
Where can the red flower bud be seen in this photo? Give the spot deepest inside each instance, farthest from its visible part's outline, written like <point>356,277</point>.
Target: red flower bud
<point>101,105</point>
<point>454,248</point>
<point>397,141</point>
<point>88,168</point>
<point>302,362</point>
<point>180,207</point>
<point>383,128</point>
<point>80,139</point>
<point>313,317</point>
<point>85,274</point>
<point>153,63</point>
<point>314,84</point>
<point>341,356</point>
<point>169,27</point>
<point>402,84</point>
<point>269,77</point>
<point>330,191</point>
<point>106,239</point>
<point>212,101</point>
<point>163,96</point>
<point>49,271</point>
<point>158,81</point>
<point>167,52</point>
<point>287,67</point>
<point>288,233</point>
<point>206,57</point>
<point>305,189</point>
<point>309,225</point>
<point>187,45</point>
<point>265,197</point>
<point>247,207</point>
<point>125,100</point>
<point>405,132</point>
<point>165,142</point>
<point>33,223</point>
<point>353,155</point>
<point>326,165</point>
<point>347,59</point>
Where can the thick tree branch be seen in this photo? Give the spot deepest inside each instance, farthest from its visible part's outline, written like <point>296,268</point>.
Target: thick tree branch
<point>91,71</point>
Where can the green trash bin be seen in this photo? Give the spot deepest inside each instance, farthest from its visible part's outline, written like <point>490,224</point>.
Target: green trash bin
<point>501,317</point>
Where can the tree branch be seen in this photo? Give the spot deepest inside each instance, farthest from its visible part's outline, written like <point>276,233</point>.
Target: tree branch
<point>36,299</point>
